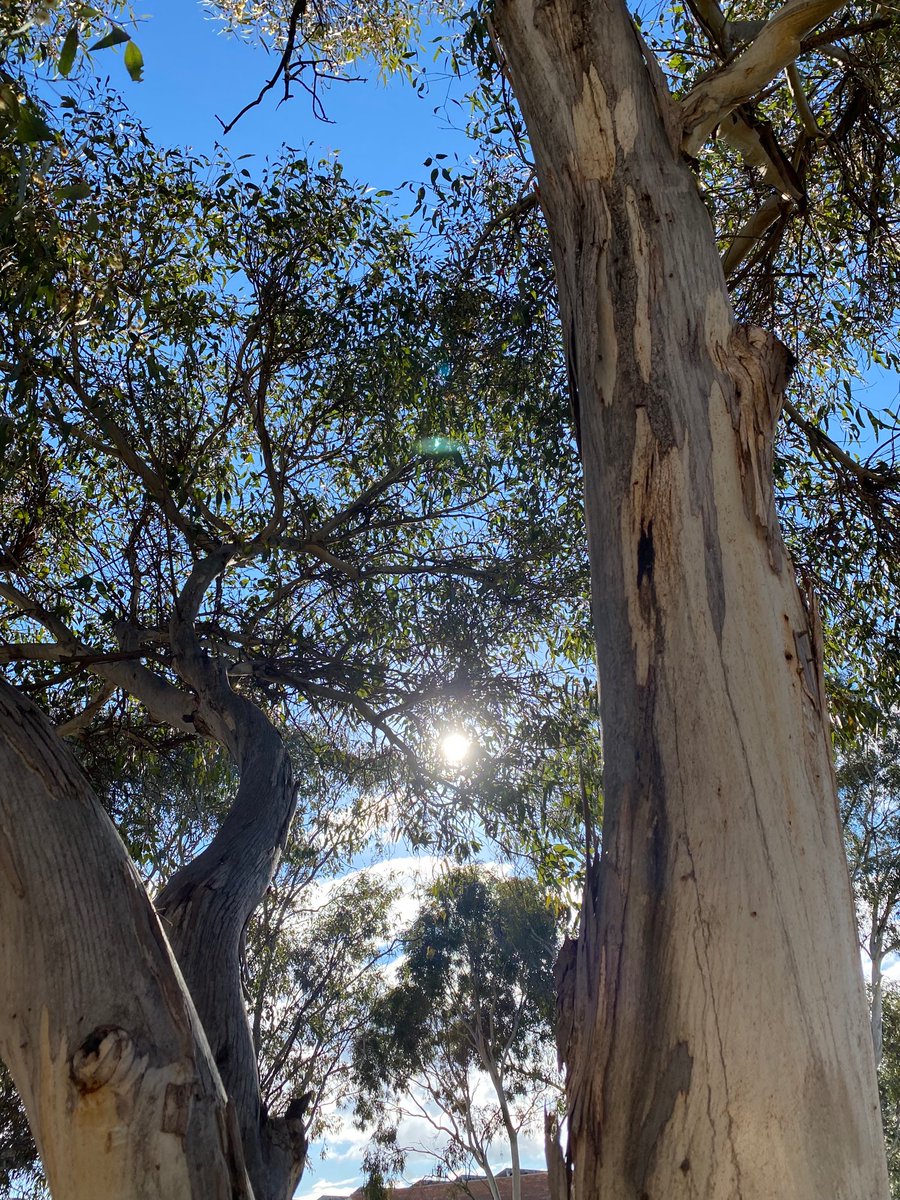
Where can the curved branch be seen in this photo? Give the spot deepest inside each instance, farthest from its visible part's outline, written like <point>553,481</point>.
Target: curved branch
<point>82,719</point>
<point>868,477</point>
<point>164,702</point>
<point>68,872</point>
<point>749,234</point>
<point>776,45</point>
<point>798,95</point>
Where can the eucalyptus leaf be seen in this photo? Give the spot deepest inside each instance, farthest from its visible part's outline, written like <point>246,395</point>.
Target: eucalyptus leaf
<point>115,37</point>
<point>32,127</point>
<point>67,53</point>
<point>134,62</point>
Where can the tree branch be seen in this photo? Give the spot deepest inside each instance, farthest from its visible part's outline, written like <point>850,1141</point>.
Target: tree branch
<point>83,719</point>
<point>776,45</point>
<point>749,234</point>
<point>868,477</point>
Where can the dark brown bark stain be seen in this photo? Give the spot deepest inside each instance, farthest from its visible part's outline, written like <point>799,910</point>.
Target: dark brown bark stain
<point>675,1081</point>
<point>645,554</point>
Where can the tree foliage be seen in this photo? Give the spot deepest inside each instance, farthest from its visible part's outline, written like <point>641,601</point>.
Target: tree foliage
<point>473,998</point>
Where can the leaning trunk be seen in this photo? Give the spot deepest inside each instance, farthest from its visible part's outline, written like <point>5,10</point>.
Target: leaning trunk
<point>713,1019</point>
<point>96,1026</point>
<point>205,909</point>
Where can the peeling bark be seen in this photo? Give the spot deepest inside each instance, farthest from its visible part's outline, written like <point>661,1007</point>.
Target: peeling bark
<point>118,1081</point>
<point>712,1015</point>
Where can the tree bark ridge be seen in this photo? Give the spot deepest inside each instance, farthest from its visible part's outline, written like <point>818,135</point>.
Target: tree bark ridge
<point>712,1012</point>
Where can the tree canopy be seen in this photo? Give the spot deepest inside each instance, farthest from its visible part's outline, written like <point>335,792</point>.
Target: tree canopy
<point>473,998</point>
<point>290,487</point>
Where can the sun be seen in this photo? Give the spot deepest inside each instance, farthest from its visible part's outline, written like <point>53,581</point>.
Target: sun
<point>455,747</point>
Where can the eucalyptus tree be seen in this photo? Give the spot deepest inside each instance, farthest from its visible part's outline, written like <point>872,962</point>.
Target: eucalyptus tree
<point>260,471</point>
<point>722,845</point>
<point>869,787</point>
<point>472,1003</point>
<point>317,950</point>
<point>889,1083</point>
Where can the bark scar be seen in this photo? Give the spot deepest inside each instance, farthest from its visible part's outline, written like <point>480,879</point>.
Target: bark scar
<point>645,554</point>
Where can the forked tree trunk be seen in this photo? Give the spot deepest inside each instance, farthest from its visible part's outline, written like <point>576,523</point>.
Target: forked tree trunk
<point>713,1019</point>
<point>96,1025</point>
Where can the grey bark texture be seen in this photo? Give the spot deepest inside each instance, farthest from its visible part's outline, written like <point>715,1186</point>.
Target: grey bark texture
<point>96,1025</point>
<point>712,1011</point>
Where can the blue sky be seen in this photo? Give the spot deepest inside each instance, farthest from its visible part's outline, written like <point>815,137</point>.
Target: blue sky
<point>194,74</point>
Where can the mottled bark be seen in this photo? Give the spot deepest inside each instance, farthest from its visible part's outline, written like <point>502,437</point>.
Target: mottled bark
<point>96,1025</point>
<point>712,1012</point>
<point>558,1174</point>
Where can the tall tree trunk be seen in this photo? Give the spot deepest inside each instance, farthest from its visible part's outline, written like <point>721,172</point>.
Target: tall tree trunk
<point>713,1019</point>
<point>96,1026</point>
<point>512,1134</point>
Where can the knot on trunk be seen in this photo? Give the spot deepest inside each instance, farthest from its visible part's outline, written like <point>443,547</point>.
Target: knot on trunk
<point>106,1058</point>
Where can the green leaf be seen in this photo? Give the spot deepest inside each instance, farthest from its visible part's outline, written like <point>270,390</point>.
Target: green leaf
<point>32,127</point>
<point>134,62</point>
<point>115,37</point>
<point>67,53</point>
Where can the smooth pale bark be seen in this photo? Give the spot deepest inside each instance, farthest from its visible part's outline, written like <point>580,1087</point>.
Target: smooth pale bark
<point>96,1025</point>
<point>512,1134</point>
<point>712,1011</point>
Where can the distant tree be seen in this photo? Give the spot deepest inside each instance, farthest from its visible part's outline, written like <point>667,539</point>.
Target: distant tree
<point>889,1084</point>
<point>314,953</point>
<point>869,788</point>
<point>473,1001</point>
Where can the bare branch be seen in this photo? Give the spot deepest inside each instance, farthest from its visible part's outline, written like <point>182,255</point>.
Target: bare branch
<point>755,140</point>
<point>122,448</point>
<point>513,212</point>
<point>749,234</point>
<point>83,719</point>
<point>713,22</point>
<point>164,702</point>
<point>776,45</point>
<point>870,478</point>
<point>395,475</point>
<point>283,68</point>
<point>798,95</point>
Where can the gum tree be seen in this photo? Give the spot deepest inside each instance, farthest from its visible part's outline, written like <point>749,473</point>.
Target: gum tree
<point>712,1013</point>
<point>461,1039</point>
<point>237,498</point>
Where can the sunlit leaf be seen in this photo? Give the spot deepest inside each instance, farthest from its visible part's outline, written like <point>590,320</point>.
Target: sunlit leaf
<point>134,62</point>
<point>67,53</point>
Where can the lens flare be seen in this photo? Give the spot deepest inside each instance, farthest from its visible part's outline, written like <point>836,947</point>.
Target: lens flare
<point>455,747</point>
